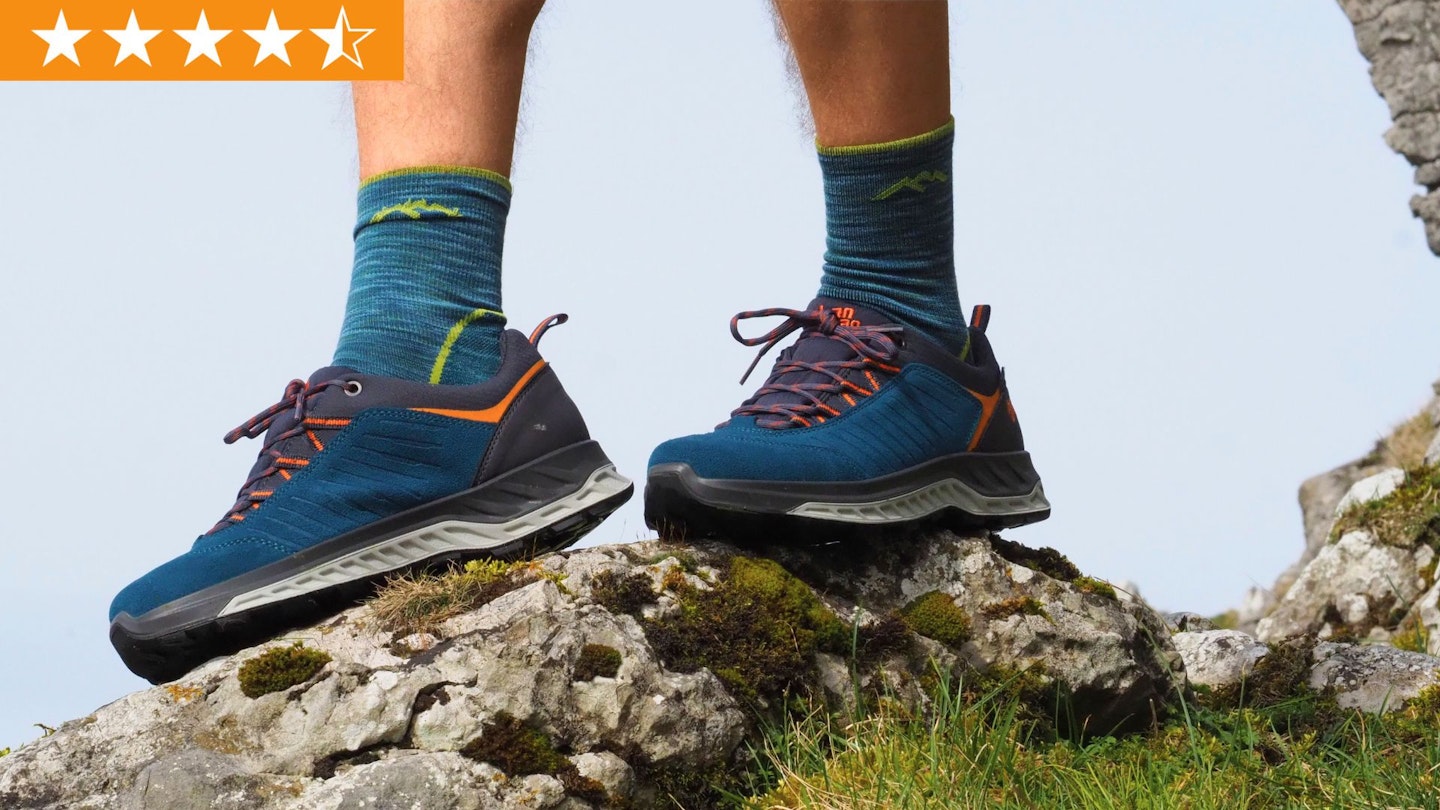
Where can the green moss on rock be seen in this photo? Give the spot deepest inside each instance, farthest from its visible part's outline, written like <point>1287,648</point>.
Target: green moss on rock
<point>1405,518</point>
<point>516,748</point>
<point>757,629</point>
<point>935,615</point>
<point>280,668</point>
<point>1046,560</point>
<point>627,595</point>
<point>1279,677</point>
<point>1014,606</point>
<point>597,661</point>
<point>1095,586</point>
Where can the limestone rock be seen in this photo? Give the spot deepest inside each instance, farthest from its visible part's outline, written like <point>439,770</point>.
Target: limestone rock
<point>1432,455</point>
<point>1371,488</point>
<point>1355,583</point>
<point>1397,37</point>
<point>1256,605</point>
<point>1372,678</point>
<point>1114,656</point>
<point>389,724</point>
<point>1319,497</point>
<point>1217,658</point>
<point>1187,623</point>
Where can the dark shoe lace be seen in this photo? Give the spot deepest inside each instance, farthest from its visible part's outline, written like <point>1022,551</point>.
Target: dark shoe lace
<point>298,394</point>
<point>804,392</point>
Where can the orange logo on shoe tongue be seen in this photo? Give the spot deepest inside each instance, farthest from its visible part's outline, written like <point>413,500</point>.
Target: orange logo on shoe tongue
<point>846,315</point>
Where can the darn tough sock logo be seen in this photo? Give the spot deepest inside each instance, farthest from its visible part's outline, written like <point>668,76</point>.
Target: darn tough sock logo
<point>916,184</point>
<point>415,209</point>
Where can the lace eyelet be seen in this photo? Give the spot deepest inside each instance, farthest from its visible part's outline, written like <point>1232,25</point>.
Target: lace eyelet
<point>353,388</point>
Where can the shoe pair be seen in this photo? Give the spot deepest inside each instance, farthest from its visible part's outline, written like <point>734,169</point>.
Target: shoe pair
<point>862,426</point>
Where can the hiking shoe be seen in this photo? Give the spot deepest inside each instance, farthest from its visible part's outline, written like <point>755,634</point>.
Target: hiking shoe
<point>363,476</point>
<point>863,425</point>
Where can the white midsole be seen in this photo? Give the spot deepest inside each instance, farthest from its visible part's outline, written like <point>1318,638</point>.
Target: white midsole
<point>924,502</point>
<point>424,543</point>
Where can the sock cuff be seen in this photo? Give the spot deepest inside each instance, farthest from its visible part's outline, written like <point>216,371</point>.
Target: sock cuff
<point>432,194</point>
<point>943,131</point>
<point>461,171</point>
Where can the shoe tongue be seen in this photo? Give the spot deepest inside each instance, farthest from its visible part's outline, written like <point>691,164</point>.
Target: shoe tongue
<point>330,373</point>
<point>813,347</point>
<point>286,419</point>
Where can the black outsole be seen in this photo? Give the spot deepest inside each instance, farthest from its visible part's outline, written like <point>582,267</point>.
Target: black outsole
<point>168,656</point>
<point>677,515</point>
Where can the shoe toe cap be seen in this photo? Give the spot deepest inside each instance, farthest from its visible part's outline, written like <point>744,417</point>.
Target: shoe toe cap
<point>753,455</point>
<point>195,571</point>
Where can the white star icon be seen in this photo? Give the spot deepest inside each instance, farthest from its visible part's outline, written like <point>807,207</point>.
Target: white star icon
<point>61,40</point>
<point>132,41</point>
<point>272,41</point>
<point>203,40</point>
<point>335,38</point>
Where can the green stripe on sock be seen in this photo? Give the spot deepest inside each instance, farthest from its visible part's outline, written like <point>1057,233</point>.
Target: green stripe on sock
<point>467,171</point>
<point>458,329</point>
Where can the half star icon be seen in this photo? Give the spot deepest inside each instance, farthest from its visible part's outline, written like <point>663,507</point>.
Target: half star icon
<point>204,40</point>
<point>132,41</point>
<point>61,40</point>
<point>272,39</point>
<point>343,40</point>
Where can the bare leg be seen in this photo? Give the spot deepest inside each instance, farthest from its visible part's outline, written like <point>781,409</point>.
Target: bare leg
<point>874,70</point>
<point>459,102</point>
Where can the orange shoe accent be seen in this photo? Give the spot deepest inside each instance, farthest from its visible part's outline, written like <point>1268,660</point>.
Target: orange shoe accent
<point>315,440</point>
<point>495,412</point>
<point>294,462</point>
<point>315,421</point>
<point>285,474</point>
<point>987,410</point>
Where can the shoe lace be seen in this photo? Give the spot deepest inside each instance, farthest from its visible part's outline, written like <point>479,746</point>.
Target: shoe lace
<point>871,349</point>
<point>297,396</point>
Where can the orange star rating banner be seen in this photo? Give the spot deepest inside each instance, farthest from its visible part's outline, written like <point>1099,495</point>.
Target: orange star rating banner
<point>202,40</point>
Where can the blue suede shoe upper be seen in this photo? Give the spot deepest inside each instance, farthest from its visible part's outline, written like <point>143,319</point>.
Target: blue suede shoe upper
<point>918,415</point>
<point>385,461</point>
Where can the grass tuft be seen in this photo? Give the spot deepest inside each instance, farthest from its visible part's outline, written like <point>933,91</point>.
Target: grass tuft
<point>1405,518</point>
<point>1406,445</point>
<point>977,751</point>
<point>419,603</point>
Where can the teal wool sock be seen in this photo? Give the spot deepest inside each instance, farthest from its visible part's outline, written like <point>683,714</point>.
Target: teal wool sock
<point>425,293</point>
<point>890,231</point>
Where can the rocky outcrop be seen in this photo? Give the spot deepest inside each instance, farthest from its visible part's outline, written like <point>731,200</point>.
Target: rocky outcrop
<point>1362,584</point>
<point>1372,678</point>
<point>1399,39</point>
<point>605,677</point>
<point>1357,584</point>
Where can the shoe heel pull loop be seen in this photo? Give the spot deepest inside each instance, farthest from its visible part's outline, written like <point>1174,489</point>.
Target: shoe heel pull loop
<point>980,317</point>
<point>553,320</point>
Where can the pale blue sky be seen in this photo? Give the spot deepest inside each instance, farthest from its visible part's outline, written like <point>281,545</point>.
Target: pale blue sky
<point>1207,285</point>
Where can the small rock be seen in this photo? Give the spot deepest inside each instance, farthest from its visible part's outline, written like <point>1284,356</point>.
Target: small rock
<point>1183,622</point>
<point>609,770</point>
<point>1372,678</point>
<point>1372,488</point>
<point>1217,658</point>
<point>1432,456</point>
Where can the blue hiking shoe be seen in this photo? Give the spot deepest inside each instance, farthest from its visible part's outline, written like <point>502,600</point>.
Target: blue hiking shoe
<point>864,426</point>
<point>360,477</point>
